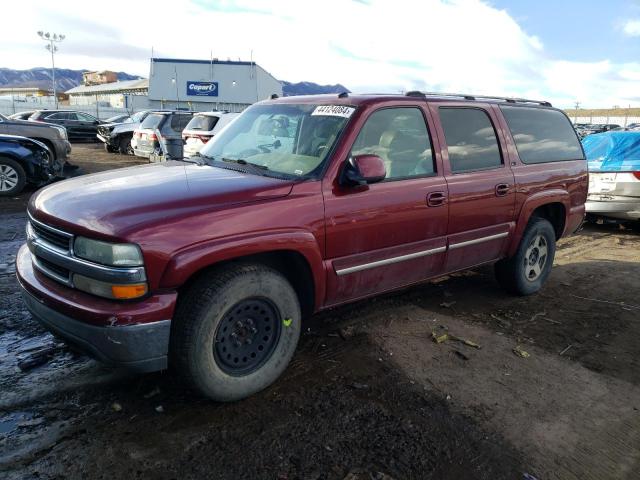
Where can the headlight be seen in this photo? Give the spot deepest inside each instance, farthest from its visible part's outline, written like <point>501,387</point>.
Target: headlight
<point>62,131</point>
<point>113,254</point>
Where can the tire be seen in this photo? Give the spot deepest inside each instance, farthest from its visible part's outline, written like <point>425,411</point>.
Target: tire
<point>528,269</point>
<point>214,320</point>
<point>108,148</point>
<point>124,145</point>
<point>12,177</point>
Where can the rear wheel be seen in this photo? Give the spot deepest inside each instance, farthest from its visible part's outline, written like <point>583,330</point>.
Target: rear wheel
<point>528,269</point>
<point>12,177</point>
<point>235,331</point>
<point>124,145</point>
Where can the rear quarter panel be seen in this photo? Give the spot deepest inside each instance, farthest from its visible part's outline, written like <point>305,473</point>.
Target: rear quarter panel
<point>538,184</point>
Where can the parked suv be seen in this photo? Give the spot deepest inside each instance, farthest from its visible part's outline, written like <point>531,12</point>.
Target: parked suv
<point>202,127</point>
<point>81,127</point>
<point>159,136</point>
<point>299,205</point>
<point>117,136</point>
<point>53,136</point>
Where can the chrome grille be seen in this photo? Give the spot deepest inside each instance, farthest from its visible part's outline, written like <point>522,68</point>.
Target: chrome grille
<point>52,255</point>
<point>50,235</point>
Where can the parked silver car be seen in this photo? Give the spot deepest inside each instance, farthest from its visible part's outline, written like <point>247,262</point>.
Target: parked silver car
<point>159,136</point>
<point>202,127</point>
<point>117,136</point>
<point>614,174</point>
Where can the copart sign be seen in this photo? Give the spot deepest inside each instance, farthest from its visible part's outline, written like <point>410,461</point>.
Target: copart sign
<point>202,89</point>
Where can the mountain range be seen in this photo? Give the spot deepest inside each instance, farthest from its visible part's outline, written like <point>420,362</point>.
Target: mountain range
<point>66,78</point>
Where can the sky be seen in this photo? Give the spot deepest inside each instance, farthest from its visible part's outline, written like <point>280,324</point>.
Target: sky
<point>558,50</point>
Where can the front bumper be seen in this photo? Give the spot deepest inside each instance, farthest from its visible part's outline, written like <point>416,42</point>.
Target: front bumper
<point>134,335</point>
<point>105,139</point>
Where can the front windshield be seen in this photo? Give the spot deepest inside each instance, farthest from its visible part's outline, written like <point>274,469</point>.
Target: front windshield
<point>286,139</point>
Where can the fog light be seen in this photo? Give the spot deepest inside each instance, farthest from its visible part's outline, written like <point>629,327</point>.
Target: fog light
<point>108,290</point>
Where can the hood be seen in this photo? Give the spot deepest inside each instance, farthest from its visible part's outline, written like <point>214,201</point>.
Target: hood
<point>116,203</point>
<point>24,141</point>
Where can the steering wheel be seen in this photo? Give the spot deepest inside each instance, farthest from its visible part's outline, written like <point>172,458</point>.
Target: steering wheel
<point>320,150</point>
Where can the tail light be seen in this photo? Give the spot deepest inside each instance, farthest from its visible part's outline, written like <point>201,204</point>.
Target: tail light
<point>152,136</point>
<point>636,174</point>
<point>202,138</point>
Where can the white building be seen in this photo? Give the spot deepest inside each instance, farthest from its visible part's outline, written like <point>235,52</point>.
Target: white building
<point>209,84</point>
<point>114,94</point>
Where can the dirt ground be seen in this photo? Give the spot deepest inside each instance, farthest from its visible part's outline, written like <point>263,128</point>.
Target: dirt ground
<point>369,394</point>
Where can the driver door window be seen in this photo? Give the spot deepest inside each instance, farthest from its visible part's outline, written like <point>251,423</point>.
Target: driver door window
<point>400,137</point>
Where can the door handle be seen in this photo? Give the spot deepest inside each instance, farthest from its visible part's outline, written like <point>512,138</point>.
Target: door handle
<point>502,189</point>
<point>436,199</point>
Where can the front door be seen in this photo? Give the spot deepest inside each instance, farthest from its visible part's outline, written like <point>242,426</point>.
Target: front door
<point>481,185</point>
<point>393,233</point>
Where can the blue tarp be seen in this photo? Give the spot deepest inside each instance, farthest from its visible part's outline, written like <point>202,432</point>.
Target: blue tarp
<point>613,151</point>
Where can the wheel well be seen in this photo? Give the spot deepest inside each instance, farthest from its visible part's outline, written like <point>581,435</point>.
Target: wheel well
<point>49,144</point>
<point>292,265</point>
<point>555,213</point>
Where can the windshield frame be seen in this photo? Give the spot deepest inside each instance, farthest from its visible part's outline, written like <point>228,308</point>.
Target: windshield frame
<point>316,174</point>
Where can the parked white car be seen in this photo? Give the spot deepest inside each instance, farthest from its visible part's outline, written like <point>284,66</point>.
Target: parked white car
<point>202,127</point>
<point>614,174</point>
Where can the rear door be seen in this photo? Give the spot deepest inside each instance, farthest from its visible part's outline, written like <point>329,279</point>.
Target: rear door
<point>480,182</point>
<point>87,125</point>
<point>393,233</point>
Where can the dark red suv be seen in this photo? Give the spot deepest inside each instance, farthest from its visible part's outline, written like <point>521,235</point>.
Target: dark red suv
<point>301,204</point>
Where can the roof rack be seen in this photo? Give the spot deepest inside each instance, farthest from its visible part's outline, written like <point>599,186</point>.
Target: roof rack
<point>416,93</point>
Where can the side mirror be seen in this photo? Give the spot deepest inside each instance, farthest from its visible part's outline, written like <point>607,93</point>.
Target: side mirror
<point>363,170</point>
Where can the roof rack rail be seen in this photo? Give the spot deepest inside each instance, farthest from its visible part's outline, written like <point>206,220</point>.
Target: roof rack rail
<point>416,93</point>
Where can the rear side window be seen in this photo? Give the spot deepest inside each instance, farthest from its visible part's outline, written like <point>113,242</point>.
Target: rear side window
<point>471,139</point>
<point>542,135</point>
<point>152,121</point>
<point>202,122</point>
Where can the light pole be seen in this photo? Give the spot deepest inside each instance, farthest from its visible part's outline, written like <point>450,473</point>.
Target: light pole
<point>51,46</point>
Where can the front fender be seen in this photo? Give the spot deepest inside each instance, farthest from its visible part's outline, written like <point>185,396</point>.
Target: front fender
<point>534,201</point>
<point>185,263</point>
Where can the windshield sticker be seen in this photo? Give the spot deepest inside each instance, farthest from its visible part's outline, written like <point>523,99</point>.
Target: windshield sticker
<point>334,111</point>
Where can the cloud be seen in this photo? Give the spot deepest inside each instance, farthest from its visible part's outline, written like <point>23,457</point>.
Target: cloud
<point>369,46</point>
<point>632,28</point>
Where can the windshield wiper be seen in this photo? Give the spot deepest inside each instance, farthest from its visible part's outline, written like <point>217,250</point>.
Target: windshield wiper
<point>197,158</point>
<point>241,161</point>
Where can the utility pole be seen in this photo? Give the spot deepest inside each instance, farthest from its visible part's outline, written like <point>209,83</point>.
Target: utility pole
<point>52,39</point>
<point>575,118</point>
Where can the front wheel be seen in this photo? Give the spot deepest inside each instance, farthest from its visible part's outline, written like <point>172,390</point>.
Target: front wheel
<point>12,177</point>
<point>124,145</point>
<point>528,269</point>
<point>235,331</point>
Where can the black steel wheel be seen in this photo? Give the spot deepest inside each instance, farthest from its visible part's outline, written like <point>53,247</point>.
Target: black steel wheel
<point>247,335</point>
<point>235,330</point>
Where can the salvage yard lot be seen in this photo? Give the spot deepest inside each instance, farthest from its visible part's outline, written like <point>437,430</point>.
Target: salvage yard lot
<point>368,392</point>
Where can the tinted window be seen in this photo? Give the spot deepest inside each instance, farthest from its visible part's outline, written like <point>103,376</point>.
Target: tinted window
<point>471,139</point>
<point>179,121</point>
<point>85,117</point>
<point>58,116</point>
<point>152,121</point>
<point>399,136</point>
<point>542,135</point>
<point>202,122</point>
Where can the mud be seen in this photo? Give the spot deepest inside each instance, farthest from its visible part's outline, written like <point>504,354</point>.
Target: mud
<point>386,400</point>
